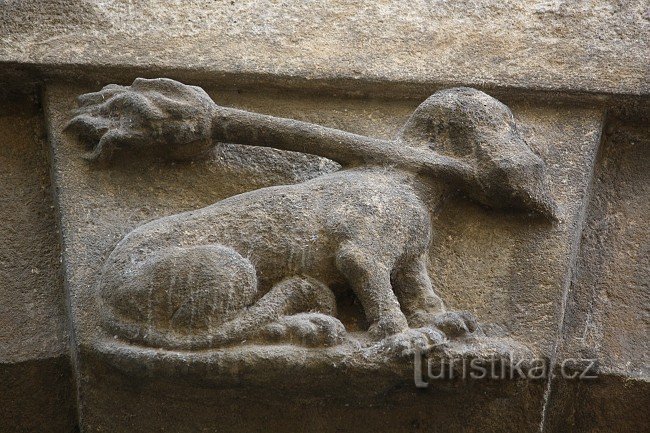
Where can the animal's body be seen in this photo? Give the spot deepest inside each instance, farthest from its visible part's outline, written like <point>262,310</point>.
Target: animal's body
<point>331,229</point>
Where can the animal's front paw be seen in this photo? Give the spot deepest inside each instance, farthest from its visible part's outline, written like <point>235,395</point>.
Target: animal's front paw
<point>454,324</point>
<point>408,342</point>
<point>387,326</point>
<point>164,116</point>
<point>308,329</point>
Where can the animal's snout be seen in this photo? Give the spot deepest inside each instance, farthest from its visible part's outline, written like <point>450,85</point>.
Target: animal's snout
<point>529,187</point>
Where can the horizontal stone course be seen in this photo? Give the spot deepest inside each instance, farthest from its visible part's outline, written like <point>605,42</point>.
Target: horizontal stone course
<point>594,47</point>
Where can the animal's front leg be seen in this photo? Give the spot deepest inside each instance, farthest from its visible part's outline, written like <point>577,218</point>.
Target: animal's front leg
<point>421,304</point>
<point>370,281</point>
<point>414,289</point>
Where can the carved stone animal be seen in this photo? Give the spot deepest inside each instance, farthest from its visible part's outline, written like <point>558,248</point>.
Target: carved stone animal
<point>260,266</point>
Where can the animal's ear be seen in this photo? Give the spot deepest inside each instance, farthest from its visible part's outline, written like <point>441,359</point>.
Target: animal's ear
<point>453,121</point>
<point>426,125</point>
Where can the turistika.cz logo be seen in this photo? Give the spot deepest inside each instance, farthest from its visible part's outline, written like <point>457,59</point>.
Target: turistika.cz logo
<point>498,368</point>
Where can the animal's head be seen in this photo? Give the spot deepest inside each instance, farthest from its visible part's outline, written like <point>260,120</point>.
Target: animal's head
<point>479,131</point>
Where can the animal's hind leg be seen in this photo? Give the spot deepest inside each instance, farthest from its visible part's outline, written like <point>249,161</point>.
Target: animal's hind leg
<point>178,296</point>
<point>204,296</point>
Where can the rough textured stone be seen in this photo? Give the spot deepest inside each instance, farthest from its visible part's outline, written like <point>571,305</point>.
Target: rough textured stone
<point>509,269</point>
<point>35,374</point>
<point>593,46</point>
<point>566,291</point>
<point>90,231</point>
<point>608,314</point>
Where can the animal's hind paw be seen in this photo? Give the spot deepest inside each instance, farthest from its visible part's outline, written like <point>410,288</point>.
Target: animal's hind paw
<point>308,329</point>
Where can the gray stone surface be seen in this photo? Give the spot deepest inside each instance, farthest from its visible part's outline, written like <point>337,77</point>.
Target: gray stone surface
<point>266,264</point>
<point>608,309</point>
<point>523,287</point>
<point>35,375</point>
<point>593,46</point>
<point>510,269</point>
<point>570,71</point>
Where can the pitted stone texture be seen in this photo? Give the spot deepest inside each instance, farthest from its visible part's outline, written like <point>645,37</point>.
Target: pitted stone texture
<point>510,269</point>
<point>122,196</point>
<point>608,315</point>
<point>593,46</point>
<point>35,374</point>
<point>102,205</point>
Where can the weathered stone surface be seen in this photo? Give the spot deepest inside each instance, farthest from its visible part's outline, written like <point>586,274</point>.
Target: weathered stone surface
<point>566,291</point>
<point>35,374</point>
<point>593,46</point>
<point>266,264</point>
<point>101,204</point>
<point>607,317</point>
<point>510,269</point>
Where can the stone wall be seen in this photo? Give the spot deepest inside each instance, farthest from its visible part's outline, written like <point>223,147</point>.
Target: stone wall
<point>568,290</point>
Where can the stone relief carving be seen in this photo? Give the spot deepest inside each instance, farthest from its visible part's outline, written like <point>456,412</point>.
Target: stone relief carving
<point>267,266</point>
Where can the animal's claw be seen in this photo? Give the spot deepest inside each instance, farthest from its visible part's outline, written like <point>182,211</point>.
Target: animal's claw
<point>167,117</point>
<point>407,343</point>
<point>454,324</point>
